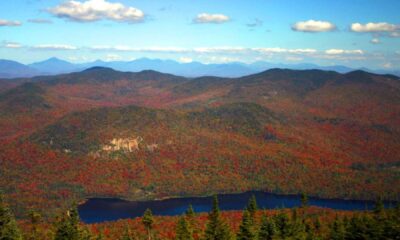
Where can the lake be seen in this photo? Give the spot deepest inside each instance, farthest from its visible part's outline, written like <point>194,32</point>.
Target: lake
<point>110,209</point>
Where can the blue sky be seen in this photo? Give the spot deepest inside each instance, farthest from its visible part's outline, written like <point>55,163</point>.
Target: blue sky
<point>356,33</point>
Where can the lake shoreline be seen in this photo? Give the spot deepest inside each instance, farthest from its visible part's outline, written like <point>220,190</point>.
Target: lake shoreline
<point>110,209</point>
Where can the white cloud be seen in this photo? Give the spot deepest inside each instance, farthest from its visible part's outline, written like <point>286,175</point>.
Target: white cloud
<point>294,58</point>
<point>135,49</point>
<point>342,51</point>
<point>211,18</point>
<point>55,47</point>
<point>40,21</point>
<point>207,50</point>
<point>313,26</point>
<point>185,60</point>
<point>375,41</point>
<point>395,34</point>
<point>220,50</point>
<point>387,65</point>
<point>12,45</point>
<point>374,27</point>
<point>95,10</point>
<point>8,23</point>
<point>221,59</point>
<point>113,57</point>
<point>285,50</point>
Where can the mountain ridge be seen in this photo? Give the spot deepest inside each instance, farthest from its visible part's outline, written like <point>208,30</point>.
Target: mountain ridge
<point>54,66</point>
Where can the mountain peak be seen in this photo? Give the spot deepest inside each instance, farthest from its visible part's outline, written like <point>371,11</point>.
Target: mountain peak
<point>99,69</point>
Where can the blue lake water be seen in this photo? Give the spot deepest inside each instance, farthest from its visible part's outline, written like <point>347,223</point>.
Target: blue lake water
<point>111,209</point>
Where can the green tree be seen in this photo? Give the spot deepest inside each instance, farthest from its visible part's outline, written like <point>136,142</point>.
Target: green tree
<point>252,207</point>
<point>67,228</point>
<point>246,231</point>
<point>267,228</point>
<point>8,226</point>
<point>282,224</point>
<point>216,228</point>
<point>183,230</point>
<point>84,234</point>
<point>379,206</point>
<point>190,212</point>
<point>304,200</point>
<point>337,230</point>
<point>35,219</point>
<point>148,221</point>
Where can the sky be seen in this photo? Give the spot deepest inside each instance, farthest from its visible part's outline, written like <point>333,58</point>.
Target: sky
<point>354,33</point>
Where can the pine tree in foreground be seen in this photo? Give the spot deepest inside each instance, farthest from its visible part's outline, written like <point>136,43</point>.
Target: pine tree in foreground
<point>267,229</point>
<point>35,220</point>
<point>252,207</point>
<point>67,228</point>
<point>216,228</point>
<point>190,212</point>
<point>246,231</point>
<point>337,230</point>
<point>183,230</point>
<point>148,221</point>
<point>8,226</point>
<point>303,200</point>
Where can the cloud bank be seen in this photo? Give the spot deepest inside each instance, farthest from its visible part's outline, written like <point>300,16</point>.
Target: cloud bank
<point>8,23</point>
<point>95,10</point>
<point>342,51</point>
<point>313,26</point>
<point>374,27</point>
<point>211,18</point>
<point>54,47</point>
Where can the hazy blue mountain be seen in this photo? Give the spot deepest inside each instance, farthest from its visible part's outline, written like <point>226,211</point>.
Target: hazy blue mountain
<point>10,69</point>
<point>54,66</point>
<point>261,66</point>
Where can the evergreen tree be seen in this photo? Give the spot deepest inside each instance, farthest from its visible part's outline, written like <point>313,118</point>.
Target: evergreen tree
<point>84,234</point>
<point>304,200</point>
<point>379,206</point>
<point>282,224</point>
<point>252,207</point>
<point>310,233</point>
<point>183,230</point>
<point>190,216</point>
<point>337,230</point>
<point>317,224</point>
<point>267,229</point>
<point>68,226</point>
<point>246,231</point>
<point>216,229</point>
<point>190,212</point>
<point>8,226</point>
<point>148,221</point>
<point>35,219</point>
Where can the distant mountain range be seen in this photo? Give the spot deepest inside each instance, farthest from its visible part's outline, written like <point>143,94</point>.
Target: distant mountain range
<point>53,66</point>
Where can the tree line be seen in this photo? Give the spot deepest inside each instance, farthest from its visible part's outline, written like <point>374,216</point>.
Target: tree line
<point>255,224</point>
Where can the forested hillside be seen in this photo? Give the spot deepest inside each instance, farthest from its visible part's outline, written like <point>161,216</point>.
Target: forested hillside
<point>151,135</point>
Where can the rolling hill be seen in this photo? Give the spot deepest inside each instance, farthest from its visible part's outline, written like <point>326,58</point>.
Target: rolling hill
<point>101,132</point>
